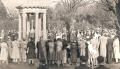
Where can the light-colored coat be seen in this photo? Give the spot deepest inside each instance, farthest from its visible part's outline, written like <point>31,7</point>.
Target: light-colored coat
<point>82,46</point>
<point>23,48</point>
<point>116,48</point>
<point>95,45</point>
<point>103,43</point>
<point>15,50</point>
<point>4,51</point>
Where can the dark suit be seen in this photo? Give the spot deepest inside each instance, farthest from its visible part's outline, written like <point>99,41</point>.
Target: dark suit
<point>38,49</point>
<point>40,52</point>
<point>64,42</point>
<point>82,66</point>
<point>109,50</point>
<point>102,67</point>
<point>31,52</point>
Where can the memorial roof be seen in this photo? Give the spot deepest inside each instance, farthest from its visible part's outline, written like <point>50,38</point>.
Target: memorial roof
<point>33,4</point>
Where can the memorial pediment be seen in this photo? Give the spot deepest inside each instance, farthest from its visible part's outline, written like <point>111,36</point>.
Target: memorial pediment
<point>33,4</point>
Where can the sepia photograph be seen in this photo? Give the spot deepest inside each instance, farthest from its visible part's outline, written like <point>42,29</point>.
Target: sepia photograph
<point>59,34</point>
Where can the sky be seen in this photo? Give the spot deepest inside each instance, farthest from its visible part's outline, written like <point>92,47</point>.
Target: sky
<point>12,4</point>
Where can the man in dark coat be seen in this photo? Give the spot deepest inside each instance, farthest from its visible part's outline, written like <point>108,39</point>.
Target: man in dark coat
<point>109,50</point>
<point>40,51</point>
<point>101,61</point>
<point>31,51</point>
<point>73,53</point>
<point>83,64</point>
<point>38,48</point>
<point>64,42</point>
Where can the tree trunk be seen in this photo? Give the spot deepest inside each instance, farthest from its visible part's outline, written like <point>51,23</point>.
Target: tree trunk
<point>118,16</point>
<point>68,29</point>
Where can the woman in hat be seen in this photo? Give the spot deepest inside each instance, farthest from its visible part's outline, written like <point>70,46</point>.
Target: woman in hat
<point>23,50</point>
<point>51,53</point>
<point>95,46</point>
<point>103,45</point>
<point>116,49</point>
<point>59,52</point>
<point>15,51</point>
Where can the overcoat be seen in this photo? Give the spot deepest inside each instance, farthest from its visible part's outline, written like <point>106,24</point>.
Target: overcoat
<point>109,50</point>
<point>73,53</point>
<point>103,43</point>
<point>31,50</point>
<point>116,48</point>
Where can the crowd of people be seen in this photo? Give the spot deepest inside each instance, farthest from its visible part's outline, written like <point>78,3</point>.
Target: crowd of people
<point>105,44</point>
<point>59,51</point>
<point>10,51</point>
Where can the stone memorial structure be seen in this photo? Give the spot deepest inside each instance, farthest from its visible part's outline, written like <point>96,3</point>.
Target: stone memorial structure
<point>32,21</point>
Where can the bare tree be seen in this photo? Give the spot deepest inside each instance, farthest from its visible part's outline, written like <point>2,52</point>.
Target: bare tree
<point>68,10</point>
<point>113,6</point>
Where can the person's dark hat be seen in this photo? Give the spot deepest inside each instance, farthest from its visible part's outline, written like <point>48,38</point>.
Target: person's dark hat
<point>100,59</point>
<point>83,58</point>
<point>59,39</point>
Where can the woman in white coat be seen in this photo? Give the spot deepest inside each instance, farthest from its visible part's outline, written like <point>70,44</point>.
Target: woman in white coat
<point>95,42</point>
<point>116,49</point>
<point>102,45</point>
<point>15,51</point>
<point>4,52</point>
<point>91,54</point>
<point>23,49</point>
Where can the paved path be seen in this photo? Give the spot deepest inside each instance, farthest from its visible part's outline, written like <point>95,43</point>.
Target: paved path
<point>111,66</point>
<point>17,66</point>
<point>26,66</point>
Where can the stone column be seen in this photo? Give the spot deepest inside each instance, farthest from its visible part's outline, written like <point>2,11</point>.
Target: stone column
<point>44,34</point>
<point>24,25</point>
<point>36,27</point>
<point>20,25</point>
<point>44,27</point>
<point>39,22</point>
<point>28,26</point>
